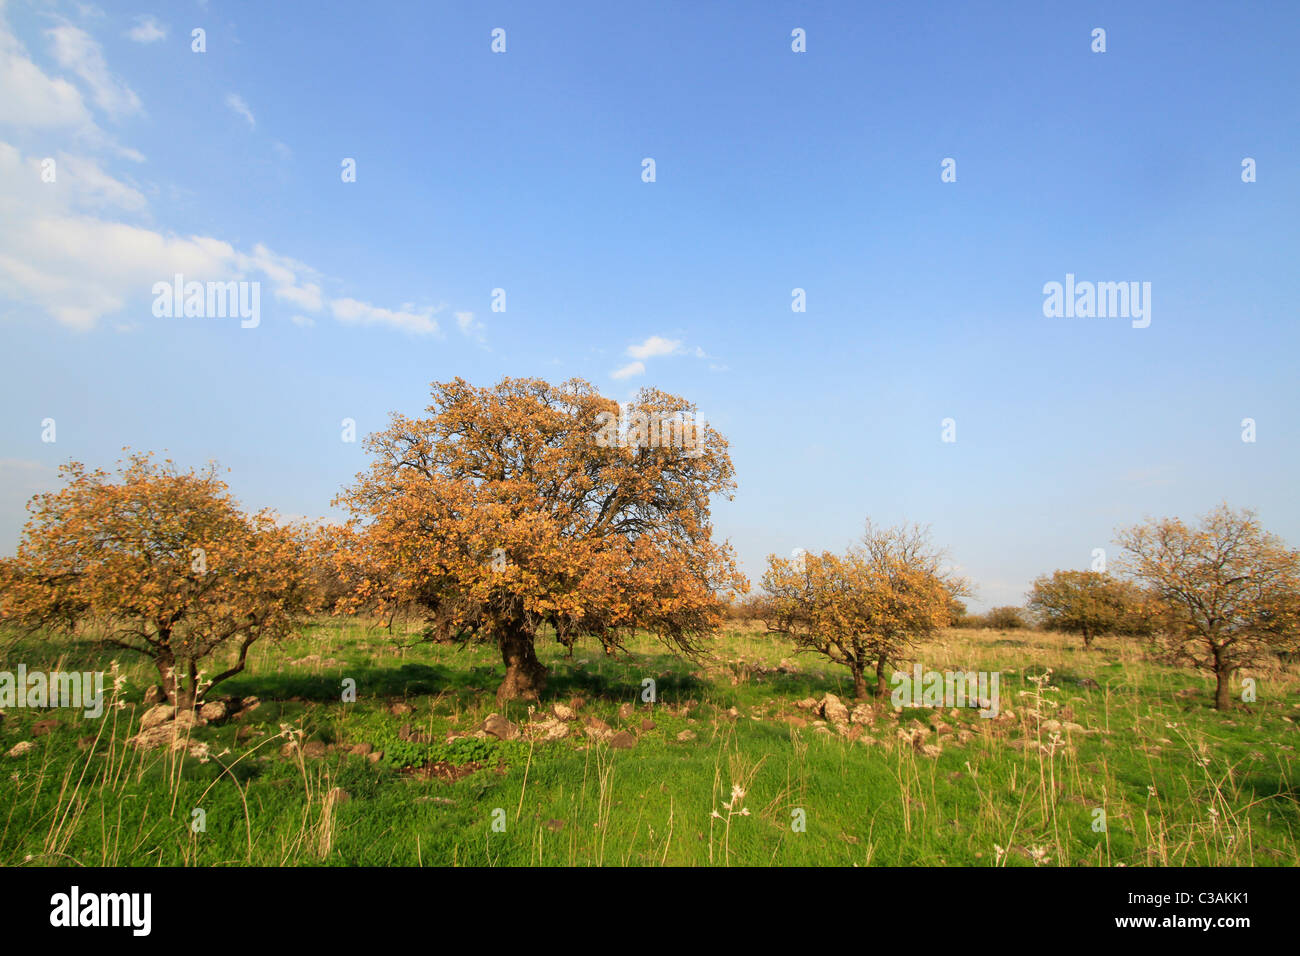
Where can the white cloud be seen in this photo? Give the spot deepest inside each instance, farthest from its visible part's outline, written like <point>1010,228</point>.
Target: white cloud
<point>29,98</point>
<point>63,249</point>
<point>93,186</point>
<point>629,370</point>
<point>470,327</point>
<point>147,29</point>
<point>74,49</point>
<point>654,347</point>
<point>240,108</point>
<point>305,297</point>
<point>355,312</point>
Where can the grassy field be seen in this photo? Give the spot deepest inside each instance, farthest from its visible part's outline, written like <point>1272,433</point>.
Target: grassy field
<point>631,783</point>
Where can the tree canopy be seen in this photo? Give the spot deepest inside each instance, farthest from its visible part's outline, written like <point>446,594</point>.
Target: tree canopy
<point>506,509</point>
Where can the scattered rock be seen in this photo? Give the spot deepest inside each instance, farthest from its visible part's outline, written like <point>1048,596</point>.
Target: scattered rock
<point>863,714</point>
<point>551,728</point>
<point>686,736</point>
<point>411,735</point>
<point>20,748</point>
<point>155,716</point>
<point>375,757</point>
<point>157,735</point>
<point>796,721</point>
<point>401,709</point>
<point>500,728</point>
<point>807,704</point>
<point>647,725</point>
<point>362,750</point>
<point>215,710</point>
<point>622,741</point>
<point>43,727</point>
<point>576,704</point>
<point>314,749</point>
<point>625,711</point>
<point>564,713</point>
<point>833,709</point>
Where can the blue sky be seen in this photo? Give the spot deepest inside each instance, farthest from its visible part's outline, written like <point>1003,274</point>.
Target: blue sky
<point>775,170</point>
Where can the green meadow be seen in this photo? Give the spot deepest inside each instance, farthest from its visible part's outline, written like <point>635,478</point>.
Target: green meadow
<point>1108,760</point>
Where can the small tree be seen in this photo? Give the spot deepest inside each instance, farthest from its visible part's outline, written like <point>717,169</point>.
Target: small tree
<point>1004,618</point>
<point>865,608</point>
<point>1228,590</point>
<point>161,563</point>
<point>525,505</point>
<point>1090,603</point>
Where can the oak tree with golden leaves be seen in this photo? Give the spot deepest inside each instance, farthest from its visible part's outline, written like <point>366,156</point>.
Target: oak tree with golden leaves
<point>1227,587</point>
<point>1089,603</point>
<point>866,608</point>
<point>507,510</point>
<point>160,562</point>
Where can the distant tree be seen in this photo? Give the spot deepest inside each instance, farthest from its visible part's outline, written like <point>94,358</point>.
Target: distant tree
<point>866,608</point>
<point>1004,618</point>
<point>1228,590</point>
<point>1089,603</point>
<point>508,509</point>
<point>162,563</point>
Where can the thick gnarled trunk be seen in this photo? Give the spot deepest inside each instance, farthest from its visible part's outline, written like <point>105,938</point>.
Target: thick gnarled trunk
<point>525,675</point>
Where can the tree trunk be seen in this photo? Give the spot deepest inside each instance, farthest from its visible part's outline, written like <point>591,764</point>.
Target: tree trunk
<point>1223,686</point>
<point>859,682</point>
<point>179,696</point>
<point>525,675</point>
<point>882,681</point>
<point>1087,639</point>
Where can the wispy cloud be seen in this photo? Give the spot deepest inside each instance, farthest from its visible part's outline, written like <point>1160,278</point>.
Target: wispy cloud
<point>147,29</point>
<point>628,370</point>
<point>77,51</point>
<point>355,312</point>
<point>240,108</point>
<point>470,327</point>
<point>653,347</point>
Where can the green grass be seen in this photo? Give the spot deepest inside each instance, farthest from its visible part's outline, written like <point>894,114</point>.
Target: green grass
<point>1180,784</point>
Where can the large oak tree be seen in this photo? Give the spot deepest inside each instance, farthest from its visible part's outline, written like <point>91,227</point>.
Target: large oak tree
<point>507,509</point>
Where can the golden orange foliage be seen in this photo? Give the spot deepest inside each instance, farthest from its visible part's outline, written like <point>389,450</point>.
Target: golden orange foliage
<point>1089,603</point>
<point>160,562</point>
<point>510,508</point>
<point>1228,590</point>
<point>866,607</point>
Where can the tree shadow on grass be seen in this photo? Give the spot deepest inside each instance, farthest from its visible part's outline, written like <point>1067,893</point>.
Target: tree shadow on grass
<point>408,680</point>
<point>626,686</point>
